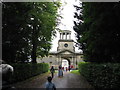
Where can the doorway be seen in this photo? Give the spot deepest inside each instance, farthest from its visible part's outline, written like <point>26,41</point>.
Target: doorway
<point>65,64</point>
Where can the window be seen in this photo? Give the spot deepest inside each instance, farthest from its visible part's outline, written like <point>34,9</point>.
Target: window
<point>66,45</point>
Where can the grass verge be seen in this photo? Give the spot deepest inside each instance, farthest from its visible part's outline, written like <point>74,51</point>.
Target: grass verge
<point>75,72</point>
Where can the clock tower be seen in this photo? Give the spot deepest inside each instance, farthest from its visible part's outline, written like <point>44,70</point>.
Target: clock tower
<point>65,42</point>
<point>65,55</point>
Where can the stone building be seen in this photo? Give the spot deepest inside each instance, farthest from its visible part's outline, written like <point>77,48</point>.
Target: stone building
<point>65,54</point>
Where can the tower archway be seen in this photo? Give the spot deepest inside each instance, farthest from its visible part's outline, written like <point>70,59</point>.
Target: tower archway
<point>65,63</point>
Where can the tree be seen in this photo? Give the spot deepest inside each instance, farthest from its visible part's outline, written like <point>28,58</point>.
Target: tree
<point>13,35</point>
<point>27,30</point>
<point>98,33</point>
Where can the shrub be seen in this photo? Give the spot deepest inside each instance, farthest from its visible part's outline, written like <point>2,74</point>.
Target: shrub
<point>106,75</point>
<point>25,71</point>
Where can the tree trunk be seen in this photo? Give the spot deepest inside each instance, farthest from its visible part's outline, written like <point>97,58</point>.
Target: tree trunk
<point>34,53</point>
<point>34,43</point>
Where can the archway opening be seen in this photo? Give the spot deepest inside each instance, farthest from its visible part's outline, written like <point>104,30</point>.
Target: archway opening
<point>65,64</point>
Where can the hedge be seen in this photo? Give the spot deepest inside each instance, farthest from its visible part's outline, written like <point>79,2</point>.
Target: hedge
<point>25,71</point>
<point>106,75</point>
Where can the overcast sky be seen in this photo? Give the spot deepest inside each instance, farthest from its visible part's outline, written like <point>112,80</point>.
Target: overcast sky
<point>67,22</point>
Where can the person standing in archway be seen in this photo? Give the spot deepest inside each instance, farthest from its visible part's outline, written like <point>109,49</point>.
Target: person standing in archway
<point>52,70</point>
<point>69,68</point>
<point>66,69</point>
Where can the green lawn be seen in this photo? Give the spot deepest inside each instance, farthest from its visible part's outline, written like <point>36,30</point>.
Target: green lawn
<point>75,72</point>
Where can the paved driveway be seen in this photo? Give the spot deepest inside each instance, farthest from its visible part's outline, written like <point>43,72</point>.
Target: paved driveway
<point>69,80</point>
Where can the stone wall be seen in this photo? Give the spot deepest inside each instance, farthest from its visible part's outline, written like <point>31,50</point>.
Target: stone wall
<point>53,60</point>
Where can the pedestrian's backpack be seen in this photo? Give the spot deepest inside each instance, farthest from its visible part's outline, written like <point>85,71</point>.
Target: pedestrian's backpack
<point>52,70</point>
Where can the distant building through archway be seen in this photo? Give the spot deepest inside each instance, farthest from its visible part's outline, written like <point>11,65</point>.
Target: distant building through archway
<point>65,51</point>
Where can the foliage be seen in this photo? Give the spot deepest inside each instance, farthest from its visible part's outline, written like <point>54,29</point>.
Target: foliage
<point>28,29</point>
<point>97,28</point>
<point>25,71</point>
<point>104,75</point>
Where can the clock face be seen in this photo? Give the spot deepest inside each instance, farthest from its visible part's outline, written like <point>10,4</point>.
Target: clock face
<point>66,45</point>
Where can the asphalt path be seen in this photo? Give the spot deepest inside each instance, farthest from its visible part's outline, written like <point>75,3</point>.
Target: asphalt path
<point>69,80</point>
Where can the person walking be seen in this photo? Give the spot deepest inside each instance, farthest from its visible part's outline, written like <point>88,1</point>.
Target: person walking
<point>69,68</point>
<point>49,85</point>
<point>52,70</point>
<point>60,72</point>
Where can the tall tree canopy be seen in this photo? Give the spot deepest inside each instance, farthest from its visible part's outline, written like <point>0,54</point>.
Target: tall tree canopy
<point>97,28</point>
<point>27,29</point>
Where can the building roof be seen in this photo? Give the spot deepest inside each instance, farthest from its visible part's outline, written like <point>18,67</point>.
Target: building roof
<point>62,31</point>
<point>65,51</point>
<point>64,40</point>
